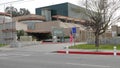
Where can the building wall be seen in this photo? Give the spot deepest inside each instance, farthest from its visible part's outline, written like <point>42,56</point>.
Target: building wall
<point>21,26</point>
<point>5,19</point>
<point>29,20</point>
<point>118,30</point>
<point>47,14</point>
<point>46,26</point>
<point>65,9</point>
<point>67,28</point>
<point>8,33</point>
<point>31,23</point>
<point>76,11</point>
<point>58,9</point>
<point>28,17</point>
<point>115,30</point>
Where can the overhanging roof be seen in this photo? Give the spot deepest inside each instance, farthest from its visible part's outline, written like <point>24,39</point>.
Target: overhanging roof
<point>6,14</point>
<point>37,31</point>
<point>68,18</point>
<point>29,17</point>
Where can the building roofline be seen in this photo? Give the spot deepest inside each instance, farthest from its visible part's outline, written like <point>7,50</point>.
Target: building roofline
<point>29,17</point>
<point>67,18</point>
<point>52,5</point>
<point>6,14</point>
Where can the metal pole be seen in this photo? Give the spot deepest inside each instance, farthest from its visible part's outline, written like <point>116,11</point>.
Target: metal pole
<point>4,26</point>
<point>11,24</point>
<point>67,49</point>
<point>115,50</point>
<point>74,35</point>
<point>86,4</point>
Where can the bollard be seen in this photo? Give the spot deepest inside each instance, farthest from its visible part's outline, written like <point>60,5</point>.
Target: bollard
<point>67,52</point>
<point>115,51</point>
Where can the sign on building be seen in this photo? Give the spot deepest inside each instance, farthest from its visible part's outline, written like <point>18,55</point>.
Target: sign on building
<point>57,32</point>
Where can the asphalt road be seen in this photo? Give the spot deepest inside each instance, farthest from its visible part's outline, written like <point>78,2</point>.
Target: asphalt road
<point>33,58</point>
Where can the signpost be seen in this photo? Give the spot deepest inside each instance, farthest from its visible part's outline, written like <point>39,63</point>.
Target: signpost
<point>73,30</point>
<point>74,33</point>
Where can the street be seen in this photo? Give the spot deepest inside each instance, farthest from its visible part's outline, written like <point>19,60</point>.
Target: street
<point>27,58</point>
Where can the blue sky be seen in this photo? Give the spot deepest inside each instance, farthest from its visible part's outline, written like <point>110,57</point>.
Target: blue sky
<point>32,4</point>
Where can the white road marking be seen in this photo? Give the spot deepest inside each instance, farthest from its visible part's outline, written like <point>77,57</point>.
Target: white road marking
<point>6,55</point>
<point>89,65</point>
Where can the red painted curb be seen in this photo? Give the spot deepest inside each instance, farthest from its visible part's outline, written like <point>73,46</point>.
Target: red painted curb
<point>95,53</point>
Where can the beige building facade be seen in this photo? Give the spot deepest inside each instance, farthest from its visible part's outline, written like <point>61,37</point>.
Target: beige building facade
<point>8,28</point>
<point>9,31</point>
<point>83,34</point>
<point>37,24</point>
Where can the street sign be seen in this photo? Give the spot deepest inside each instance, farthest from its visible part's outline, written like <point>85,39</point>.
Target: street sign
<point>57,32</point>
<point>73,30</point>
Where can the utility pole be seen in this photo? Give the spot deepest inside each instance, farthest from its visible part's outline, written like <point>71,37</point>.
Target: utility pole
<point>86,4</point>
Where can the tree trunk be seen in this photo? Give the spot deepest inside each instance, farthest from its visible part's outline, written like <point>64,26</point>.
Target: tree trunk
<point>97,42</point>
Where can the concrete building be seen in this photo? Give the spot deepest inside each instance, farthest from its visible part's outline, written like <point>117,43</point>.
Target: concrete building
<point>30,20</point>
<point>51,20</point>
<point>8,28</point>
<point>9,32</point>
<point>64,9</point>
<point>4,17</point>
<point>70,14</point>
<point>39,27</point>
<point>63,28</point>
<point>67,13</point>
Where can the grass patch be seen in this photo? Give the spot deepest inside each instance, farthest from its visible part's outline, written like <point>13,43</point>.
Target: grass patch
<point>2,45</point>
<point>90,46</point>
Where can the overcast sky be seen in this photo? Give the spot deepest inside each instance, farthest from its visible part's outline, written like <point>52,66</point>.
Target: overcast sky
<point>32,4</point>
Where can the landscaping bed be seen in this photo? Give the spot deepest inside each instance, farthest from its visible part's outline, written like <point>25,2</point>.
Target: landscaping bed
<point>90,46</point>
<point>2,45</point>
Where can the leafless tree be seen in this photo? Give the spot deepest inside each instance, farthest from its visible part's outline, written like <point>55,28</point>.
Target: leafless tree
<point>101,14</point>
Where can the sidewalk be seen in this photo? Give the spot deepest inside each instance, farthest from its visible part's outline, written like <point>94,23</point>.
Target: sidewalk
<point>59,48</point>
<point>6,48</point>
<point>42,47</point>
<point>84,51</point>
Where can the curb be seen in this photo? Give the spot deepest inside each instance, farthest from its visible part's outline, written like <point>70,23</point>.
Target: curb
<point>86,52</point>
<point>54,42</point>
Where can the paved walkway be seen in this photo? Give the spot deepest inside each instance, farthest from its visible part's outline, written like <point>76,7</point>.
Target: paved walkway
<point>47,47</point>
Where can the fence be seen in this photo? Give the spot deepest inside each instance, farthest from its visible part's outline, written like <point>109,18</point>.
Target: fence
<point>115,40</point>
